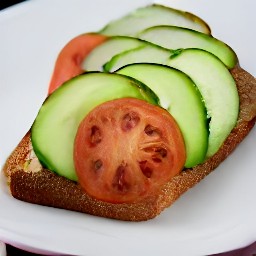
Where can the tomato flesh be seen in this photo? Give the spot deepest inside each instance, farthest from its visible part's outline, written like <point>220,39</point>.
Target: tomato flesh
<point>68,63</point>
<point>125,149</point>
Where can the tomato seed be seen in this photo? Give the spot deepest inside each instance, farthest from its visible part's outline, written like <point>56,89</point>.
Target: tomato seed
<point>162,152</point>
<point>119,181</point>
<point>145,169</point>
<point>152,131</point>
<point>77,59</point>
<point>129,121</point>
<point>97,164</point>
<point>156,159</point>
<point>96,136</point>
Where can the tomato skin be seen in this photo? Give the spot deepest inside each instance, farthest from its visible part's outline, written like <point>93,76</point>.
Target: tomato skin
<point>126,149</point>
<point>68,63</point>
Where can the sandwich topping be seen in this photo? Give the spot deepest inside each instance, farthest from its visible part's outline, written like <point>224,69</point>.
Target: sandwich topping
<point>126,111</point>
<point>126,149</point>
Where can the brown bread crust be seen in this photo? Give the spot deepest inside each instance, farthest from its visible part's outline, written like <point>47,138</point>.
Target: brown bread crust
<point>46,188</point>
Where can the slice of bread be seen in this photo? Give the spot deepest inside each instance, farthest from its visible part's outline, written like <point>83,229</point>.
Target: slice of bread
<point>31,183</point>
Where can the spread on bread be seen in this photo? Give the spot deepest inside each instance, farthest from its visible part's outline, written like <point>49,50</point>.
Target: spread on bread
<point>135,116</point>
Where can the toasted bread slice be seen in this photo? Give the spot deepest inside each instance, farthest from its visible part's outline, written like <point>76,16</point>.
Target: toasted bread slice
<point>40,186</point>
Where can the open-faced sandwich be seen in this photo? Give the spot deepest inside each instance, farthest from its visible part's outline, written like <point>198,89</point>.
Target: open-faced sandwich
<point>137,114</point>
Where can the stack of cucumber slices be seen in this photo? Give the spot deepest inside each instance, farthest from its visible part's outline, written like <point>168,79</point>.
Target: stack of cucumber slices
<point>158,54</point>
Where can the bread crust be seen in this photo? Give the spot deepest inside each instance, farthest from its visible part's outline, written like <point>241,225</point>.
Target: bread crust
<point>47,188</point>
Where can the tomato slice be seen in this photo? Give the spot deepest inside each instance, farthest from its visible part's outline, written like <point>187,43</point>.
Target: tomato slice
<point>125,149</point>
<point>68,63</point>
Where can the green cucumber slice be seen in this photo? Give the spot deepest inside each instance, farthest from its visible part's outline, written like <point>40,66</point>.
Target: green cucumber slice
<point>55,126</point>
<point>180,96</point>
<point>147,53</point>
<point>152,15</point>
<point>210,75</point>
<point>172,37</point>
<point>218,89</point>
<point>167,37</point>
<point>102,53</point>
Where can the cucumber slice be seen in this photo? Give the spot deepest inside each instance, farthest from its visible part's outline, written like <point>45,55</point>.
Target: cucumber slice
<point>180,96</point>
<point>102,53</point>
<point>152,15</point>
<point>147,53</point>
<point>55,126</point>
<point>168,37</point>
<point>218,89</point>
<point>172,37</point>
<point>210,75</point>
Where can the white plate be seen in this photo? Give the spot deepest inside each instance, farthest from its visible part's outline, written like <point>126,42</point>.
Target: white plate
<point>215,216</point>
<point>2,249</point>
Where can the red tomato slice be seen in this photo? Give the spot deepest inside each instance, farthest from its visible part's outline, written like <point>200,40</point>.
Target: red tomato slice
<point>125,149</point>
<point>68,63</point>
